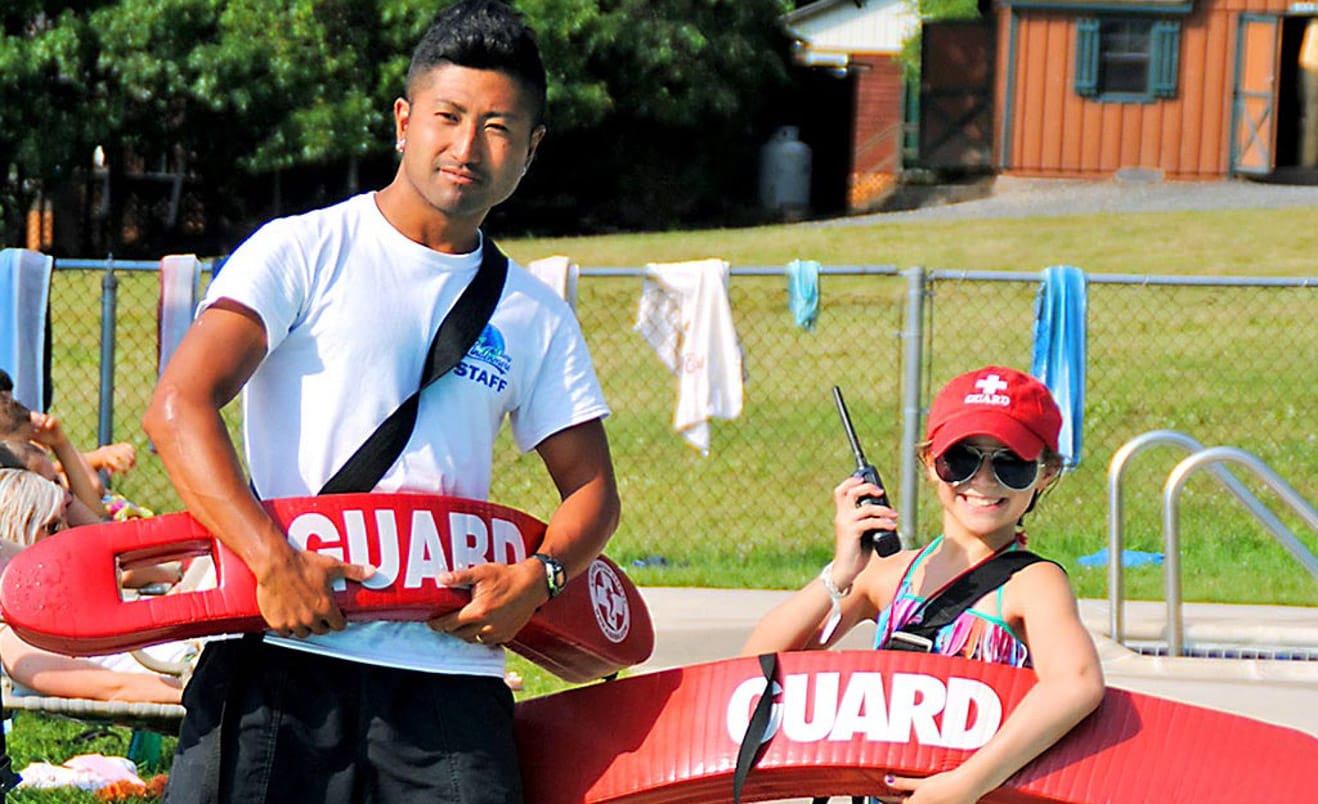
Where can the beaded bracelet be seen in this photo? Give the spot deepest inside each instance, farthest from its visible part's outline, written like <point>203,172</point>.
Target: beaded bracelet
<point>835,596</point>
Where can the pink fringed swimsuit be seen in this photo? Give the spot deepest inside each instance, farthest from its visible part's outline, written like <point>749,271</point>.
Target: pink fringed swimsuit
<point>973,635</point>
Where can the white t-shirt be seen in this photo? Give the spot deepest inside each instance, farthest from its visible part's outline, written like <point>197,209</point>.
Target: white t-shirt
<point>350,306</point>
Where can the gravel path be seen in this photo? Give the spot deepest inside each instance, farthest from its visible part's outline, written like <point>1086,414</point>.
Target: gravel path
<point>1013,197</point>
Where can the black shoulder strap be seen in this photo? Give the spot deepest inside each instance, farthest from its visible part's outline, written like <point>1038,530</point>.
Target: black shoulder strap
<point>457,332</point>
<point>757,729</point>
<point>967,589</point>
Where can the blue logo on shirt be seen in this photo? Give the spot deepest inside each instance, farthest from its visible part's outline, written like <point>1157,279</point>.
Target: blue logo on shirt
<point>489,350</point>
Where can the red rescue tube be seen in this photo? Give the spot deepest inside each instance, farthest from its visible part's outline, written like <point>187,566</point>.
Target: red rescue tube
<point>845,719</point>
<point>62,594</point>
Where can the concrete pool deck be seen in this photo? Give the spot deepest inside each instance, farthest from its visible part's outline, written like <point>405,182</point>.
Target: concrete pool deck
<point>701,625</point>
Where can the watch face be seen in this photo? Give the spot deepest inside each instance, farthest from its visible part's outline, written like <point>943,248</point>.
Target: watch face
<point>555,574</point>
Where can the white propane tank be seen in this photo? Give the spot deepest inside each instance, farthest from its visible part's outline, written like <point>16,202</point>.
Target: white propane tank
<point>785,174</point>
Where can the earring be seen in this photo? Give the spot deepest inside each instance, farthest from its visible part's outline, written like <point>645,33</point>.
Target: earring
<point>398,146</point>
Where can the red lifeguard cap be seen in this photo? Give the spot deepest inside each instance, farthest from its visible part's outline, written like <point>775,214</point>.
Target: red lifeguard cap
<point>1004,403</point>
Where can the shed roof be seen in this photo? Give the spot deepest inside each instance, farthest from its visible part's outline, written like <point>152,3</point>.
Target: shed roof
<point>851,26</point>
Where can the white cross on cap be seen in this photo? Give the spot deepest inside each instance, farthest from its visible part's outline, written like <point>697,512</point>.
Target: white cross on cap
<point>991,384</point>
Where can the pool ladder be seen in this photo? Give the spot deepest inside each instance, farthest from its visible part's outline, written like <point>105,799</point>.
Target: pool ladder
<point>1212,458</point>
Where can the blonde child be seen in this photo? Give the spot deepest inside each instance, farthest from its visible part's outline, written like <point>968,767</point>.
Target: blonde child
<point>32,508</point>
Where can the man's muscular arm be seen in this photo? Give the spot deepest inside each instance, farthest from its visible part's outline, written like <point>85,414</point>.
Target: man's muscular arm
<point>219,353</point>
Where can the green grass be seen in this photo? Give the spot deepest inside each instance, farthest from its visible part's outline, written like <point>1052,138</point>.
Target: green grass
<point>1236,242</point>
<point>1225,366</point>
<point>1230,366</point>
<point>1217,364</point>
<point>41,738</point>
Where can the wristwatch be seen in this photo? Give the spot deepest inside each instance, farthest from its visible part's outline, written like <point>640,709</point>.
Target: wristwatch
<point>555,575</point>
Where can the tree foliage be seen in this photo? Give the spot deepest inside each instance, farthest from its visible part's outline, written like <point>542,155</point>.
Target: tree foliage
<point>50,103</point>
<point>236,93</point>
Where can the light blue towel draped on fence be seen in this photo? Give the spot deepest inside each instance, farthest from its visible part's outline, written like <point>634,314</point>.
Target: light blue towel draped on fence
<point>803,292</point>
<point>1059,350</point>
<point>24,298</point>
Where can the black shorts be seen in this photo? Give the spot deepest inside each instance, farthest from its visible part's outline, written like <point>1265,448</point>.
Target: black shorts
<point>272,724</point>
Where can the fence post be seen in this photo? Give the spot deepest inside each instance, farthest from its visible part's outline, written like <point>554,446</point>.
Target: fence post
<point>109,305</point>
<point>912,363</point>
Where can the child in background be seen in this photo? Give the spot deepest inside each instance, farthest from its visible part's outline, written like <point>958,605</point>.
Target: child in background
<point>17,454</point>
<point>113,459</point>
<point>991,451</point>
<point>32,508</point>
<point>19,424</point>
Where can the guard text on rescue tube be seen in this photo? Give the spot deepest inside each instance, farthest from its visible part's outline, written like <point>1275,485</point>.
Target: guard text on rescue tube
<point>424,550</point>
<point>812,707</point>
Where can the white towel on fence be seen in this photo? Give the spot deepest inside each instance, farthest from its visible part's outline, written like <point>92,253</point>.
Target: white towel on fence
<point>24,299</point>
<point>559,273</point>
<point>685,316</point>
<point>178,300</point>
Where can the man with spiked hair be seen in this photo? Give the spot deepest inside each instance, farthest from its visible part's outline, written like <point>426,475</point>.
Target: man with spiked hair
<point>323,321</point>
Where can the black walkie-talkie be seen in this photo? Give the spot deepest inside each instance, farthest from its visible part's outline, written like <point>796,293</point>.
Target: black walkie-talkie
<point>884,542</point>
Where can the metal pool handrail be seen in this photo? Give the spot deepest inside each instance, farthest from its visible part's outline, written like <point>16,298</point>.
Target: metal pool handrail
<point>1116,512</point>
<point>1215,457</point>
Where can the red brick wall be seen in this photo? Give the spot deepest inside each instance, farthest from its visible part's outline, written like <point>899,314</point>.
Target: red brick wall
<point>877,131</point>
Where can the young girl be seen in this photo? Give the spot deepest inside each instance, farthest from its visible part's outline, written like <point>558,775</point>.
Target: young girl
<point>991,451</point>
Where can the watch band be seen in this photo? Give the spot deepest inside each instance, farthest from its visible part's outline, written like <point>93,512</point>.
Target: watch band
<point>555,574</point>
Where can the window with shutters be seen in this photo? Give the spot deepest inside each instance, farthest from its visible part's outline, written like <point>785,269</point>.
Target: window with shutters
<point>1127,59</point>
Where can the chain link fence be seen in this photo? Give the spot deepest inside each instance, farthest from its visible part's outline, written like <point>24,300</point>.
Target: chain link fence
<point>1230,361</point>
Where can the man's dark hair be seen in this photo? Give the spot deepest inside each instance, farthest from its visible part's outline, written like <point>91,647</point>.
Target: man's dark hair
<point>483,35</point>
<point>6,382</point>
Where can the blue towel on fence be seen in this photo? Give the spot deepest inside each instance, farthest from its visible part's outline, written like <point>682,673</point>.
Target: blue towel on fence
<point>24,299</point>
<point>1059,350</point>
<point>803,292</point>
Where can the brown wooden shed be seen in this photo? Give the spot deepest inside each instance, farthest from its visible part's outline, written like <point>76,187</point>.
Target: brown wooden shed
<point>1181,89</point>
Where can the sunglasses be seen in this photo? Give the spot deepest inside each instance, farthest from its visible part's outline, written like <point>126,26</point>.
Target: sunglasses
<point>961,461</point>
